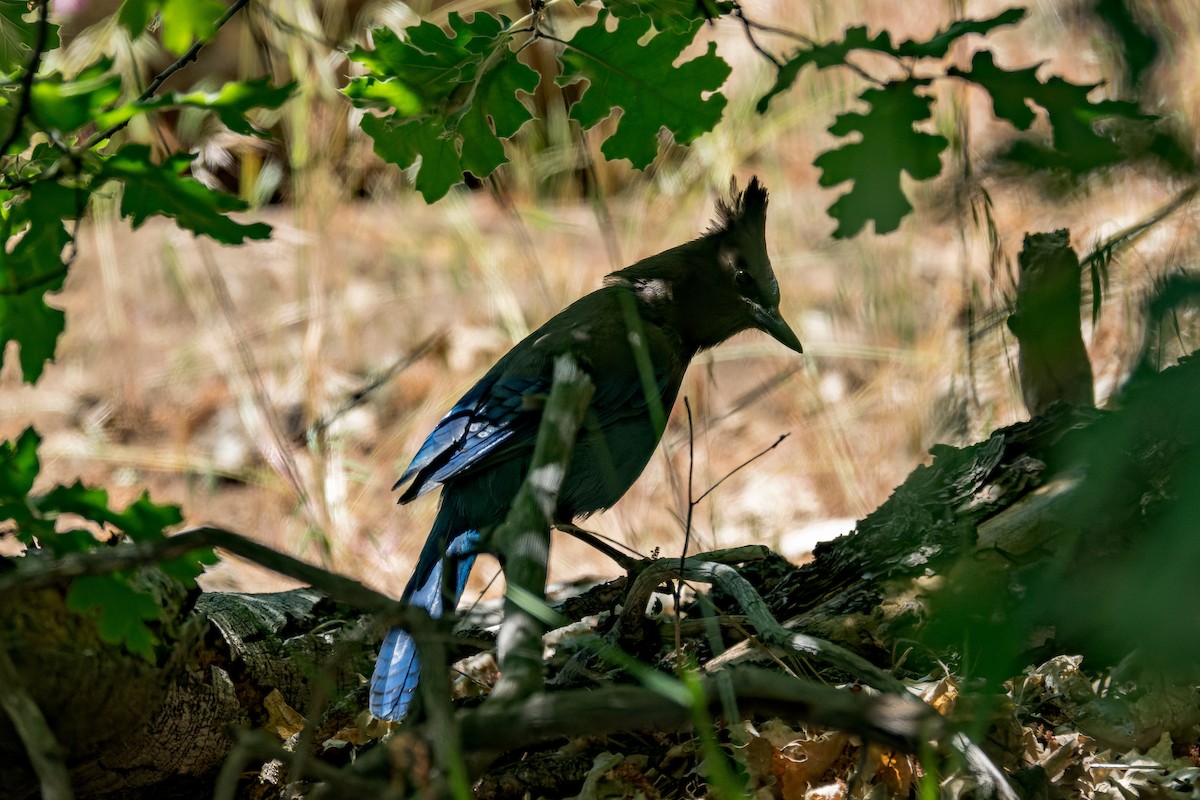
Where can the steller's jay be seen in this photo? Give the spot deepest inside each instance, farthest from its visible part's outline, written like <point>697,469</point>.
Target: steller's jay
<point>634,338</point>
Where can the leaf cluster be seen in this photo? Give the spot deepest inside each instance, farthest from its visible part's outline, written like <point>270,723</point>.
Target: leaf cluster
<point>57,152</point>
<point>450,97</point>
<point>67,519</point>
<point>442,101</point>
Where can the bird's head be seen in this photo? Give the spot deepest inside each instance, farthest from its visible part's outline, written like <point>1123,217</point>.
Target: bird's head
<point>719,284</point>
<point>740,291</point>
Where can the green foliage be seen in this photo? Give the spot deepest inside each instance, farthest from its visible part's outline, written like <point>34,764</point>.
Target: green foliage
<point>183,21</point>
<point>1076,144</point>
<point>51,521</point>
<point>32,269</point>
<point>62,105</point>
<point>161,189</point>
<point>1138,47</point>
<point>54,132</point>
<point>18,34</point>
<point>887,145</point>
<point>232,104</point>
<point>836,53</point>
<point>451,97</point>
<point>52,182</point>
<point>123,614</point>
<point>455,98</point>
<point>676,16</point>
<point>641,77</point>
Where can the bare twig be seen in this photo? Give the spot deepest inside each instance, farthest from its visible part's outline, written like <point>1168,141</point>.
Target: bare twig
<point>361,394</point>
<point>739,13</point>
<point>272,442</point>
<point>743,465</point>
<point>596,542</point>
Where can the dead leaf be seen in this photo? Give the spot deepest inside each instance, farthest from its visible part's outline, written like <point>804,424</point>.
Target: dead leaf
<point>282,720</point>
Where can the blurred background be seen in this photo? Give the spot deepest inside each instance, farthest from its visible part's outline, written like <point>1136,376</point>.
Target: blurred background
<point>278,389</point>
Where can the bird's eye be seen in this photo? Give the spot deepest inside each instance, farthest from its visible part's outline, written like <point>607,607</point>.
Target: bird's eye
<point>743,281</point>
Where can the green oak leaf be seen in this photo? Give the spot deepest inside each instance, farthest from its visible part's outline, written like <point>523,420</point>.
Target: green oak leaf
<point>1076,144</point>
<point>676,16</point>
<point>644,81</point>
<point>230,103</point>
<point>121,611</point>
<point>835,53</point>
<point>142,521</point>
<point>19,467</point>
<point>453,98</point>
<point>939,44</point>
<point>828,54</point>
<point>18,34</point>
<point>59,104</point>
<point>1010,89</point>
<point>184,22</point>
<point>887,145</point>
<point>152,189</point>
<point>383,93</point>
<point>34,268</point>
<point>187,21</point>
<point>134,15</point>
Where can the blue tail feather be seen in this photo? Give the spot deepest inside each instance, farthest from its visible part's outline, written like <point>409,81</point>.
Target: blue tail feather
<point>397,669</point>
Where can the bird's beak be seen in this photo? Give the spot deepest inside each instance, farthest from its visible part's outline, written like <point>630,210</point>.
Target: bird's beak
<point>771,321</point>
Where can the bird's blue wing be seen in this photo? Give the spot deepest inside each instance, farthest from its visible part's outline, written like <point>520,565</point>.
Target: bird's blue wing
<point>495,412</point>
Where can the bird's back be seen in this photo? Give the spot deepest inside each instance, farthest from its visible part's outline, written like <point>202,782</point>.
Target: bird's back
<point>483,447</point>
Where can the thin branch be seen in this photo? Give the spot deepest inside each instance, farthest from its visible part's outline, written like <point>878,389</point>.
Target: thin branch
<point>33,571</point>
<point>596,542</point>
<point>897,720</point>
<point>751,26</point>
<point>1128,235</point>
<point>743,465</point>
<point>764,28</point>
<point>739,13</point>
<point>33,283</point>
<point>361,394</point>
<point>24,105</point>
<point>273,443</point>
<point>162,77</point>
<point>687,525</point>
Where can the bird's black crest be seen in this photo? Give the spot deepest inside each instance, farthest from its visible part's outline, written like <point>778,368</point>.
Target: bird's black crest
<point>741,206</point>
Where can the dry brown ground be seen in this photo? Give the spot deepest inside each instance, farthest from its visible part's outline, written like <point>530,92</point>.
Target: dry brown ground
<point>191,369</point>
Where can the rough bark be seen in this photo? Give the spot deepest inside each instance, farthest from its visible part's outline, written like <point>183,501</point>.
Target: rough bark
<point>129,726</point>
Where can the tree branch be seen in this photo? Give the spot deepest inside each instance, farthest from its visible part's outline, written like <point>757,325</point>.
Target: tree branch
<point>890,719</point>
<point>34,570</point>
